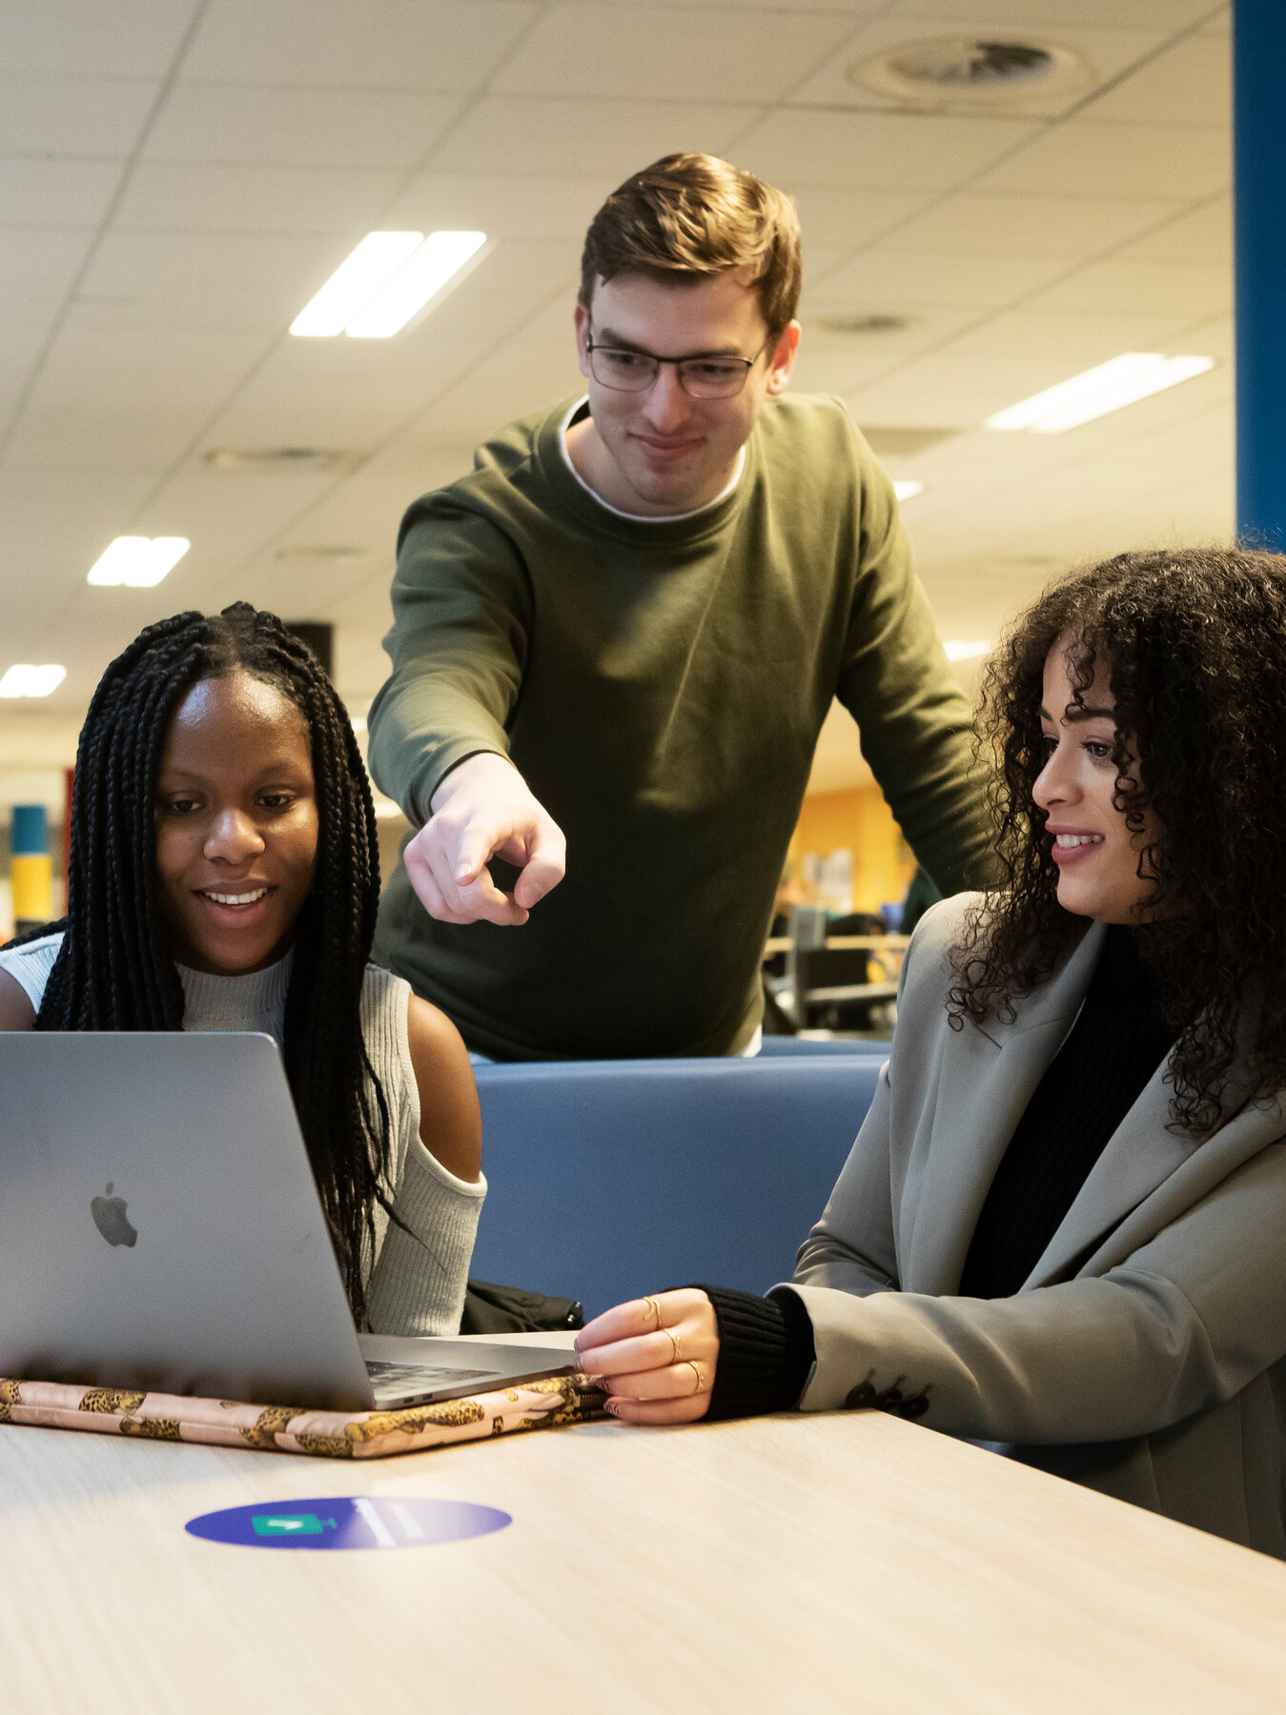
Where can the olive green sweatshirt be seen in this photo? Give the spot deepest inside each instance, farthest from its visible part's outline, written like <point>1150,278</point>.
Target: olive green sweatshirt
<point>660,686</point>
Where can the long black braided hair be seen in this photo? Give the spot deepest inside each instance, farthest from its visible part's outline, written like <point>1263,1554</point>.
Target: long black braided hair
<point>115,969</point>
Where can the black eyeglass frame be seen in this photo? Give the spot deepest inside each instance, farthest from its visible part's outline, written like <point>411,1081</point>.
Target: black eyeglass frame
<point>679,363</point>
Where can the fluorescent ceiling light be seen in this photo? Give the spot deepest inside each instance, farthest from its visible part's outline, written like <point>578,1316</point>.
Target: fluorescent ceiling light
<point>965,649</point>
<point>1132,376</point>
<point>386,280</point>
<point>905,489</point>
<point>24,680</point>
<point>140,561</point>
<point>416,283</point>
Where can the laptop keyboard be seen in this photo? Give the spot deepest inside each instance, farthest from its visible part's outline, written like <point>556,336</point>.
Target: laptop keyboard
<point>420,1378</point>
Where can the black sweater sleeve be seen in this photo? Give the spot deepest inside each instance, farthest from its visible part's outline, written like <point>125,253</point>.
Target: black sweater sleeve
<point>765,1352</point>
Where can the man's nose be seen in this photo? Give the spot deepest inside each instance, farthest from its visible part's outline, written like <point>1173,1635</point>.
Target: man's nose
<point>668,406</point>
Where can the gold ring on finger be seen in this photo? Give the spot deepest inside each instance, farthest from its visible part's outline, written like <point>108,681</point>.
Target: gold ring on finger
<point>653,1310</point>
<point>698,1383</point>
<point>674,1346</point>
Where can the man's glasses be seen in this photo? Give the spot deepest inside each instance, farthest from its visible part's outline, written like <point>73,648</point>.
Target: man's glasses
<point>715,377</point>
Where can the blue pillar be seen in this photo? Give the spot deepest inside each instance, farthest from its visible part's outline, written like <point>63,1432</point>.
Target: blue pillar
<point>1259,177</point>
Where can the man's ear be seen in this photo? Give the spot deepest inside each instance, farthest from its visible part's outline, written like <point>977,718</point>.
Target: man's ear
<point>581,320</point>
<point>783,359</point>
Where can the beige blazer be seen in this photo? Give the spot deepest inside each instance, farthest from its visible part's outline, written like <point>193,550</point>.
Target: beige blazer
<point>1145,1355</point>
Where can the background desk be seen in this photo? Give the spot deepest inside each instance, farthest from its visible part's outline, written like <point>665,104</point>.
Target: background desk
<point>850,1563</point>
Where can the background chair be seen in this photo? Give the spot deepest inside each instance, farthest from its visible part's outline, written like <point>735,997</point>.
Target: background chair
<point>609,1179</point>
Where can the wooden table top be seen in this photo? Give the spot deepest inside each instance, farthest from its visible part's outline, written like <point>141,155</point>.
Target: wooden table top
<point>847,1563</point>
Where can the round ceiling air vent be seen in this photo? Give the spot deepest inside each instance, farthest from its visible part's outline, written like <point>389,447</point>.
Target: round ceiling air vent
<point>970,70</point>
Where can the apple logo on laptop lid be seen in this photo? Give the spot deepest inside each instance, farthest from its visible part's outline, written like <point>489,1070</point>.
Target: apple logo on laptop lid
<point>111,1220</point>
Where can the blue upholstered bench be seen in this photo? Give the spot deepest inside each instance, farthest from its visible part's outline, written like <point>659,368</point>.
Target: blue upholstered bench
<point>611,1178</point>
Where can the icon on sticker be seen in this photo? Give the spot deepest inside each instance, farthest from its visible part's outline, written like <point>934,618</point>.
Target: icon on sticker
<point>290,1524</point>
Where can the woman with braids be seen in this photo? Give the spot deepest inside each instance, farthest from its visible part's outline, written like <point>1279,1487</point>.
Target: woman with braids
<point>224,875</point>
<point>1062,1226</point>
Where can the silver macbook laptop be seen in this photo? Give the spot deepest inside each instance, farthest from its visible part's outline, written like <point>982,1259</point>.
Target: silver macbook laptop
<point>160,1229</point>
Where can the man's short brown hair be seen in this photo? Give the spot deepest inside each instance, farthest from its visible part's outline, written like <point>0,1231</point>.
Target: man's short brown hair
<point>688,216</point>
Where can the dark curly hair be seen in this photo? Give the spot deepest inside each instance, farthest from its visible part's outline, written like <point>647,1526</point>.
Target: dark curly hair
<point>115,969</point>
<point>1194,643</point>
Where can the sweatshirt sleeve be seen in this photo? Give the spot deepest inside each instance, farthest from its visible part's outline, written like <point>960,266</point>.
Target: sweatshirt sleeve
<point>461,619</point>
<point>914,721</point>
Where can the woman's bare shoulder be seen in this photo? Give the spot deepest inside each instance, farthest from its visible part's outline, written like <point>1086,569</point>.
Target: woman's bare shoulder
<point>16,1010</point>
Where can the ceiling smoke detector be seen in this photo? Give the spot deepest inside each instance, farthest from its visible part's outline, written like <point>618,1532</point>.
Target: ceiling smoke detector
<point>971,71</point>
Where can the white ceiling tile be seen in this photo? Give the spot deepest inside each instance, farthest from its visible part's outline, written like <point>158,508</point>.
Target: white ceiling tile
<point>521,135</point>
<point>732,7</point>
<point>356,44</point>
<point>252,199</point>
<point>128,38</point>
<point>1204,236</point>
<point>1157,15</point>
<point>72,116</point>
<point>139,367</point>
<point>501,206</point>
<point>1065,227</point>
<point>52,529</point>
<point>1102,54</point>
<point>228,514</point>
<point>230,282</point>
<point>1219,25</point>
<point>36,271</point>
<point>55,193</point>
<point>882,280</point>
<point>833,362</point>
<point>1163,288</point>
<point>939,391</point>
<point>1085,159</point>
<point>687,55</point>
<point>843,219</point>
<point>352,394</point>
<point>1068,343</point>
<point>900,152</point>
<point>1189,84</point>
<point>1216,338</point>
<point>204,122</point>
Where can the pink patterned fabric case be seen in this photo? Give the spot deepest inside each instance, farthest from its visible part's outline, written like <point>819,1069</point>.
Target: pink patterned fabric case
<point>544,1404</point>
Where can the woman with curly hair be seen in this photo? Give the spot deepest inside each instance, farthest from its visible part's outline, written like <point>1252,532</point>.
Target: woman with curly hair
<point>1061,1226</point>
<point>224,875</point>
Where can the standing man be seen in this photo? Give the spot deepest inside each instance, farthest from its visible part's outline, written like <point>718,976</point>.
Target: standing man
<point>614,644</point>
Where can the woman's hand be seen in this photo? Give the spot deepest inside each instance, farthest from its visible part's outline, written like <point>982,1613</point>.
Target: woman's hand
<point>655,1357</point>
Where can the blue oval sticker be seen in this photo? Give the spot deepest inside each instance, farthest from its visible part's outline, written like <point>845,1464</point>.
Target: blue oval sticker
<point>348,1521</point>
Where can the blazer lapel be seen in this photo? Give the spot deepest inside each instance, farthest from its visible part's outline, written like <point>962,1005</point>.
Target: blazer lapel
<point>1138,1157</point>
<point>986,1083</point>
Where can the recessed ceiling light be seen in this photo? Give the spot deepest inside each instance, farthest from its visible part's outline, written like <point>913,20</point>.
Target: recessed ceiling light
<point>965,649</point>
<point>906,489</point>
<point>24,680</point>
<point>416,284</point>
<point>1096,392</point>
<point>140,561</point>
<point>385,282</point>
